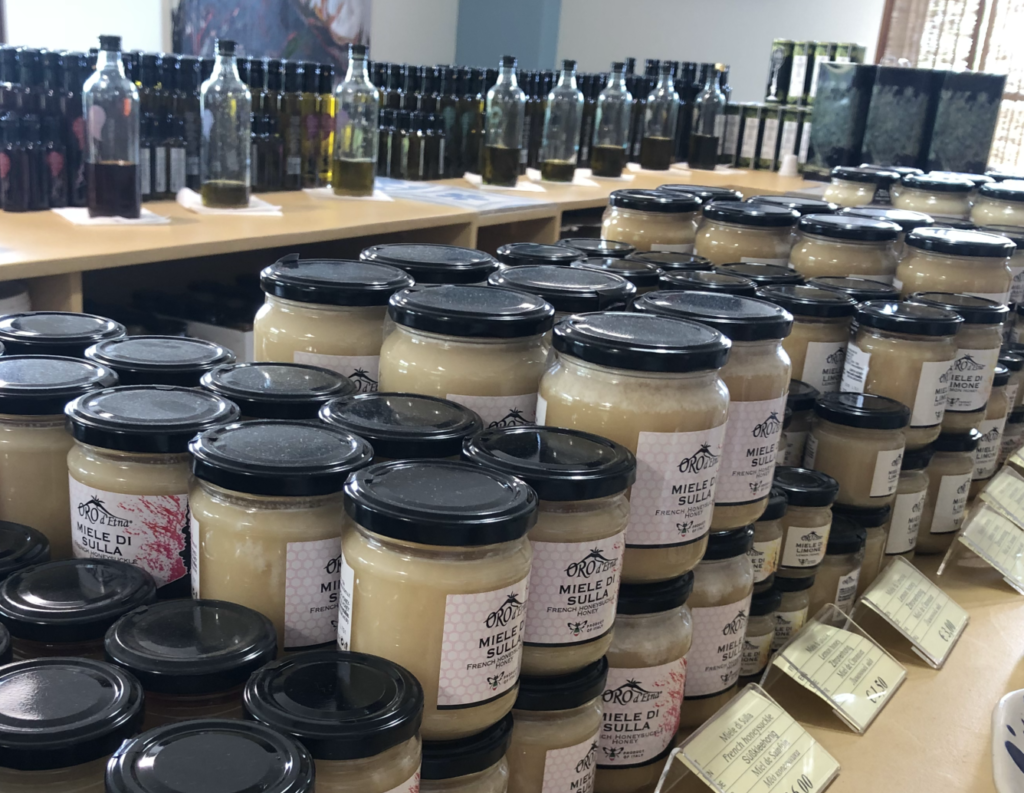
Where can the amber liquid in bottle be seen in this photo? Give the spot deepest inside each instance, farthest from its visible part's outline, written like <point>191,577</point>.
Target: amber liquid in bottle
<point>353,177</point>
<point>656,153</point>
<point>557,171</point>
<point>703,151</point>
<point>113,189</point>
<point>225,194</point>
<point>607,160</point>
<point>500,166</point>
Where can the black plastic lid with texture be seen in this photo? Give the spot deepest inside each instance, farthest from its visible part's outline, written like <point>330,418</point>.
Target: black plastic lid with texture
<point>146,419</point>
<point>671,201</point>
<point>191,647</point>
<point>641,342</point>
<point>804,487</point>
<point>704,192</point>
<point>440,502</point>
<point>63,712</point>
<point>701,281</point>
<point>738,318</point>
<point>1014,362</point>
<point>972,310</point>
<point>776,506</point>
<point>765,602</point>
<point>21,547</point>
<point>860,289</point>
<point>589,246</point>
<point>563,692</point>
<point>865,517</point>
<point>848,173</point>
<point>42,385</point>
<point>278,458</point>
<point>654,597</point>
<point>568,289</point>
<point>1015,234</point>
<point>72,600</point>
<point>760,215</point>
<point>808,301</point>
<point>641,274</point>
<point>845,536</point>
<point>863,411</point>
<point>802,396</point>
<point>334,282</point>
<point>1004,191</point>
<point>465,756</point>
<point>434,264</point>
<point>906,219</point>
<point>1016,417</point>
<point>912,318</point>
<point>339,705</point>
<point>786,584</point>
<point>55,332</point>
<point>479,311</point>
<point>961,242</point>
<point>804,206</point>
<point>211,756</point>
<point>673,261</point>
<point>6,650</point>
<point>957,441</point>
<point>934,183</point>
<point>559,464</point>
<point>282,390</point>
<point>516,254</point>
<point>404,426</point>
<point>916,459</point>
<point>160,360</point>
<point>727,544</point>
<point>850,227</point>
<point>762,273</point>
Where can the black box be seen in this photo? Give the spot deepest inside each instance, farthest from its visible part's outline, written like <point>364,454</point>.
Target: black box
<point>840,115</point>
<point>966,113</point>
<point>899,123</point>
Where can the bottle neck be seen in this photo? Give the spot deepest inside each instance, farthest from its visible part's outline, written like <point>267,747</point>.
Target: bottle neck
<point>357,70</point>
<point>665,81</point>
<point>711,81</point>
<point>225,65</point>
<point>721,81</point>
<point>109,60</point>
<point>507,75</point>
<point>568,78</point>
<point>616,80</point>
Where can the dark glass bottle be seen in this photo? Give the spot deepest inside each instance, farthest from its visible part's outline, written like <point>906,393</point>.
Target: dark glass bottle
<point>205,68</point>
<point>290,124</point>
<point>258,86</point>
<point>273,151</point>
<point>189,74</point>
<point>75,73</point>
<point>149,79</point>
<point>385,130</point>
<point>434,146</point>
<point>532,131</point>
<point>146,156</point>
<point>416,159</point>
<point>176,156</point>
<point>412,87</point>
<point>55,162</point>
<point>53,83</point>
<point>590,90</point>
<point>379,77</point>
<point>640,89</point>
<point>398,167</point>
<point>242,65</point>
<point>310,124</point>
<point>326,108</point>
<point>93,58</point>
<point>30,78</point>
<point>630,66</point>
<point>429,91</point>
<point>161,158</point>
<point>170,86</point>
<point>32,136</point>
<point>275,83</point>
<point>448,106</point>
<point>9,64</point>
<point>14,170</point>
<point>687,91</point>
<point>396,80</point>
<point>472,122</point>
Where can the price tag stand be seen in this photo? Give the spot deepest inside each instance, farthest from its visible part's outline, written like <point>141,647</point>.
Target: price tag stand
<point>1005,494</point>
<point>837,661</point>
<point>994,537</point>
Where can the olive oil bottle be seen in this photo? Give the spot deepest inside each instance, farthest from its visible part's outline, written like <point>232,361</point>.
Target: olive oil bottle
<point>506,110</point>
<point>660,117</point>
<point>225,106</point>
<point>310,131</point>
<point>290,125</point>
<point>357,105</point>
<point>612,114</point>
<point>562,119</point>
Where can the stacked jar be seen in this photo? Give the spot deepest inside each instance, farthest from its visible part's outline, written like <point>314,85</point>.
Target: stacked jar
<point>956,261</point>
<point>762,273</point>
<point>160,360</point>
<point>874,522</point>
<point>652,220</point>
<point>733,231</point>
<point>284,391</point>
<point>429,263</point>
<point>853,187</point>
<point>942,197</point>
<point>520,254</point>
<point>836,579</point>
<point>844,246</point>
<point>907,220</point>
<point>588,246</point>
<point>860,290</point>
<point>708,281</point>
<point>807,521</point>
<point>999,204</point>
<point>986,456</point>
<point>766,548</point>
<point>908,508</point>
<point>949,485</point>
<point>800,403</point>
<point>644,275</point>
<point>569,290</point>
<point>62,333</point>
<point>1016,235</point>
<point>760,633</point>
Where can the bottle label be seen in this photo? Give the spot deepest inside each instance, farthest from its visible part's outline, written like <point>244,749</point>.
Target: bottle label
<point>640,713</point>
<point>805,143</point>
<point>293,166</point>
<point>177,170</point>
<point>719,126</point>
<point>571,768</point>
<point>905,522</point>
<point>411,785</point>
<point>145,172</point>
<point>932,394</point>
<point>756,650</point>
<point>846,591</point>
<point>482,646</point>
<point>764,556</point>
<point>986,456</point>
<point>768,139</point>
<point>823,365</point>
<point>804,546</point>
<point>197,551</point>
<point>795,443</point>
<point>150,532</point>
<point>748,459</point>
<point>501,411</point>
<point>681,248</point>
<point>363,370</point>
<point>672,498</point>
<point>346,600</point>
<point>797,77</point>
<point>855,369</point>
<point>970,379</point>
<point>311,592</point>
<point>573,589</point>
<point>732,135</point>
<point>159,170</point>
<point>542,410</point>
<point>887,472</point>
<point>950,503</point>
<point>749,146</point>
<point>713,663</point>
<point>787,624</point>
<point>810,451</point>
<point>789,133</point>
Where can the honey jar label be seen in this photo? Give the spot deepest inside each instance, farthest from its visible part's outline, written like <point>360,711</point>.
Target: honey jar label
<point>795,442</point>
<point>950,503</point>
<point>986,456</point>
<point>640,713</point>
<point>787,624</point>
<point>363,370</point>
<point>846,591</point>
<point>346,600</point>
<point>311,592</point>
<point>571,768</point>
<point>932,394</point>
<point>804,546</point>
<point>756,650</point>
<point>970,379</point>
<point>823,365</point>
<point>855,369</point>
<point>748,457</point>
<point>886,475</point>
<point>764,556</point>
<point>514,410</point>
<point>906,520</point>
<point>195,556</point>
<point>713,663</point>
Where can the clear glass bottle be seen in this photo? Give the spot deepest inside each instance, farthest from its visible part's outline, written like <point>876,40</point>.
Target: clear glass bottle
<point>708,118</point>
<point>660,119</point>
<point>611,125</point>
<point>356,138</point>
<point>112,145</point>
<point>225,108</point>
<point>506,111</point>
<point>562,120</point>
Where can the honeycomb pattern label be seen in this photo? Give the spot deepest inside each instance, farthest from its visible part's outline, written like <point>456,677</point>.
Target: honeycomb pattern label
<point>717,649</point>
<point>312,589</point>
<point>748,458</point>
<point>640,712</point>
<point>573,589</point>
<point>482,645</point>
<point>570,770</point>
<point>363,370</point>
<point>514,410</point>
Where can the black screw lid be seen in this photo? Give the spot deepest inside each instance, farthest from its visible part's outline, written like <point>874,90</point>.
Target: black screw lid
<point>278,458</point>
<point>904,218</point>
<point>519,253</point>
<point>845,536</point>
<point>154,419</point>
<point>654,597</point>
<point>902,170</point>
<point>191,647</point>
<point>643,275</point>
<point>803,206</point>
<point>850,227</point>
<point>760,215</point>
<point>776,506</point>
<point>762,273</point>
<point>211,756</point>
<point>863,411</point>
<point>972,310</point>
<point>1013,233</point>
<point>916,459</point>
<point>804,487</point>
<point>20,547</point>
<point>339,705</point>
<point>563,692</point>
<point>729,544</point>
<point>1016,417</point>
<point>766,602</point>
<point>642,342</point>
<point>705,193</point>
<point>957,441</point>
<point>559,464</point>
<point>480,311</point>
<point>911,318</point>
<point>159,360</point>
<point>808,301</point>
<point>701,281</point>
<point>568,289</point>
<point>333,281</point>
<point>860,289</point>
<point>1012,361</point>
<point>55,332</point>
<point>786,584</point>
<point>278,390</point>
<point>404,426</point>
<point>865,517</point>
<point>738,318</point>
<point>72,600</point>
<point>802,396</point>
<point>1004,191</point>
<point>654,200</point>
<point>882,178</point>
<point>936,183</point>
<point>589,246</point>
<point>434,264</point>
<point>952,242</point>
<point>470,755</point>
<point>673,261</point>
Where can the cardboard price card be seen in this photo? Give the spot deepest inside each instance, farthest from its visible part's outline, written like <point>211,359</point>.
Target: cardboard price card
<point>919,609</point>
<point>997,540</point>
<point>1005,493</point>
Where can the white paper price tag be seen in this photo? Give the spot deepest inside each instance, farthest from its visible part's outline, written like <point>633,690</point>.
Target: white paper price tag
<point>997,540</point>
<point>1005,493</point>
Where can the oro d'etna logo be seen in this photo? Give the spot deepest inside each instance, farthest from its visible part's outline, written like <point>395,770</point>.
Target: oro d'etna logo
<point>736,624</point>
<point>811,536</point>
<point>593,563</point>
<point>587,761</point>
<point>514,418</point>
<point>630,693</point>
<point>96,513</point>
<point>364,383</point>
<point>511,609</point>
<point>966,363</point>
<point>768,427</point>
<point>837,358</point>
<point>701,460</point>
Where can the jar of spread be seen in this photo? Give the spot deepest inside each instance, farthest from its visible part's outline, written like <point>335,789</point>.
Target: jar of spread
<point>976,179</point>
<point>907,220</point>
<point>1014,362</point>
<point>956,261</point>
<point>860,289</point>
<point>807,520</point>
<point>34,444</point>
<point>651,220</point>
<point>21,547</point>
<point>762,273</point>
<point>64,608</point>
<point>736,232</point>
<point>723,583</point>
<point>986,456</point>
<point>578,541</point>
<point>875,523</point>
<point>517,254</point>
<point>904,351</point>
<point>159,360</point>
<point>800,402</point>
<point>757,375</point>
<point>182,758</point>
<point>569,290</point>
<point>821,329</point>
<point>702,281</point>
<point>643,275</point>
<point>858,440</point>
<point>939,196</point>
<point>647,669</point>
<point>1016,236</point>
<point>326,312</point>
<point>843,246</point>
<point>794,608</point>
<point>757,641</point>
<point>266,521</point>
<point>444,543</point>
<point>803,206</point>
<point>429,263</point>
<point>129,476</point>
<point>652,384</point>
<point>673,261</point>
<point>60,720</point>
<point>767,545</point>
<point>191,656</point>
<point>949,484</point>
<point>480,346</point>
<point>706,193</point>
<point>1013,435</point>
<point>404,426</point>
<point>63,333</point>
<point>285,391</point>
<point>835,580</point>
<point>556,725</point>
<point>588,246</point>
<point>476,764</point>
<point>357,715</point>
<point>905,520</point>
<point>854,187</point>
